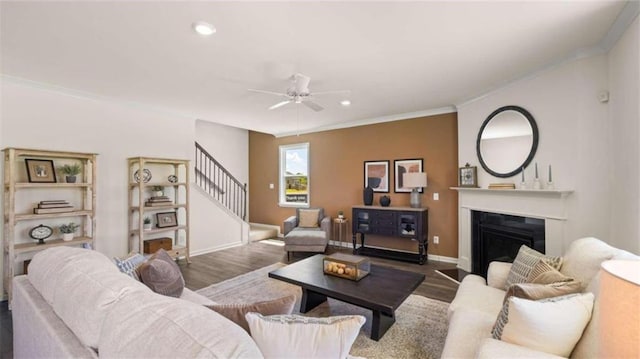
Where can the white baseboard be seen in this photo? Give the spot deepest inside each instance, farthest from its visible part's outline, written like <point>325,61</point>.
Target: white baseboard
<point>215,249</point>
<point>443,259</point>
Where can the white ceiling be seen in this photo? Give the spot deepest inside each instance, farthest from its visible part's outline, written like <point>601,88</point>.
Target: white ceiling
<point>399,59</point>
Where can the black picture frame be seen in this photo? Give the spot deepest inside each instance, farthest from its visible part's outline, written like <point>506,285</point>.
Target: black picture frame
<point>166,219</point>
<point>468,176</point>
<point>403,166</point>
<point>376,175</point>
<point>40,171</point>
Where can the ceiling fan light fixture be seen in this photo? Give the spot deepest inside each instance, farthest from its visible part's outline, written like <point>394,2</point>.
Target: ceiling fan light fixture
<point>345,103</point>
<point>203,28</point>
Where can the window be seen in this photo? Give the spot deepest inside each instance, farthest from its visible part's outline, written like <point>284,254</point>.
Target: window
<point>294,175</point>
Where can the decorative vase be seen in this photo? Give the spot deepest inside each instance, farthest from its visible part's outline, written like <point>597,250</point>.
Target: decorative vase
<point>367,196</point>
<point>71,179</point>
<point>146,226</point>
<point>158,193</point>
<point>385,201</point>
<point>67,237</point>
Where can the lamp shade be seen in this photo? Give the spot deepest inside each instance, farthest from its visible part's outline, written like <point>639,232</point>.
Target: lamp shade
<point>414,180</point>
<point>619,313</point>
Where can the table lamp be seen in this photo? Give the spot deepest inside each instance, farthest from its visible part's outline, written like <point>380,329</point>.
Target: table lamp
<point>415,181</point>
<point>619,314</point>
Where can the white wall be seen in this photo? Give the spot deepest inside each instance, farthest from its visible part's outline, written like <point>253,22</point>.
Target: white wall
<point>624,118</point>
<point>230,147</point>
<point>572,125</point>
<point>38,117</point>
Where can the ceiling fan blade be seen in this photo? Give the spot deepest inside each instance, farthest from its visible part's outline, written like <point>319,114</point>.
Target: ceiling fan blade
<point>346,92</point>
<point>312,105</point>
<point>279,104</point>
<point>268,92</point>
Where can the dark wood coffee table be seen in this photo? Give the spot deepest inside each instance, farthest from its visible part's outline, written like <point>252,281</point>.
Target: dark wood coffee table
<point>382,291</point>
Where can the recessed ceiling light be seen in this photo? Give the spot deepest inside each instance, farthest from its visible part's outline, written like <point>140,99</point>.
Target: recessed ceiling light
<point>345,103</point>
<point>203,28</point>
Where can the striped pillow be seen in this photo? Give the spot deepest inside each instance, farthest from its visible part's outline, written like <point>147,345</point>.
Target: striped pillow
<point>129,264</point>
<point>524,264</point>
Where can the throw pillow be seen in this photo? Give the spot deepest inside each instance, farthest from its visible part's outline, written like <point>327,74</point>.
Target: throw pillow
<point>130,263</point>
<point>308,218</point>
<point>296,336</point>
<point>535,291</point>
<point>552,325</point>
<point>526,259</point>
<point>236,312</point>
<point>543,273</point>
<point>162,275</point>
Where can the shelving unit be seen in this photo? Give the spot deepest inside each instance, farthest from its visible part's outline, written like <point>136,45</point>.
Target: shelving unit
<point>20,195</point>
<point>160,169</point>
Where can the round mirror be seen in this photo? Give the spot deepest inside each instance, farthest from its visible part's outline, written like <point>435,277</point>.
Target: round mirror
<point>507,141</point>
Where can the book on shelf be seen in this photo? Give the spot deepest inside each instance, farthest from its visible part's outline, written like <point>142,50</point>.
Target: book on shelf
<point>502,186</point>
<point>158,204</point>
<point>53,210</point>
<point>159,199</point>
<point>54,205</point>
<point>56,201</point>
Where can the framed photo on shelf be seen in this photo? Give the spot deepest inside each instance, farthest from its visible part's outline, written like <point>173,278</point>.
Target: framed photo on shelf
<point>405,166</point>
<point>468,176</point>
<point>40,171</point>
<point>166,219</point>
<point>376,175</point>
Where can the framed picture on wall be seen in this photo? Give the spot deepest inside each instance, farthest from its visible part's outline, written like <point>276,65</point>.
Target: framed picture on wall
<point>468,176</point>
<point>405,166</point>
<point>376,175</point>
<point>40,171</point>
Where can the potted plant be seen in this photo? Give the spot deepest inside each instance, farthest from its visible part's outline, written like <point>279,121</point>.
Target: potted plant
<point>157,190</point>
<point>146,223</point>
<point>67,231</point>
<point>71,171</point>
<point>340,215</point>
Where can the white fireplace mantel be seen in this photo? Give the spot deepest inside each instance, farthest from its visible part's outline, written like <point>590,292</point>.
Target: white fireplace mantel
<point>549,205</point>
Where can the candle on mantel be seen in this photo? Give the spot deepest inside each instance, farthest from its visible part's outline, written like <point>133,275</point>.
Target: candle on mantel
<point>522,173</point>
<point>536,170</point>
<point>550,180</point>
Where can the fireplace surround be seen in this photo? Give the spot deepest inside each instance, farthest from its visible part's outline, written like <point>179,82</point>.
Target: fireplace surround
<point>547,205</point>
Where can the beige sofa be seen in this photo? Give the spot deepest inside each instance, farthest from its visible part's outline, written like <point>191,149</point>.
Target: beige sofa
<point>477,304</point>
<point>75,303</point>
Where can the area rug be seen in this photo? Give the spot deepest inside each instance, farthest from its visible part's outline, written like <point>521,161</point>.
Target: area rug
<point>419,332</point>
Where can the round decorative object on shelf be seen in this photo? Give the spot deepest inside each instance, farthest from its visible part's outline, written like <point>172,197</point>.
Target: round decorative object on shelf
<point>172,178</point>
<point>385,201</point>
<point>41,233</point>
<point>146,175</point>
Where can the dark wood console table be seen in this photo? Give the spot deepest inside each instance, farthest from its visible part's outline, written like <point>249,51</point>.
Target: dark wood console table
<point>405,222</point>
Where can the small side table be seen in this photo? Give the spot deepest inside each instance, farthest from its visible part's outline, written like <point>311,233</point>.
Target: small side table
<point>340,230</point>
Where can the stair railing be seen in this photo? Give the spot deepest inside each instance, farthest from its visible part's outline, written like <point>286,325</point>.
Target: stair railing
<point>219,183</point>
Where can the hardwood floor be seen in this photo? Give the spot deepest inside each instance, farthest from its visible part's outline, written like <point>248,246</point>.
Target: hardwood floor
<point>215,267</point>
<point>218,266</point>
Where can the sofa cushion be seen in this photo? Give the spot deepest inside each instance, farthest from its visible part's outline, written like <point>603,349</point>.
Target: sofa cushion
<point>535,291</point>
<point>582,259</point>
<point>467,329</point>
<point>236,312</point>
<point>46,265</point>
<point>87,288</point>
<point>524,263</point>
<point>145,324</point>
<point>162,275</point>
<point>497,349</point>
<point>474,294</point>
<point>552,325</point>
<point>296,336</point>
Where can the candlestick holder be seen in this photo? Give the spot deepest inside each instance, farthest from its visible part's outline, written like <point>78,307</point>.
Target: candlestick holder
<point>550,186</point>
<point>522,185</point>
<point>537,184</point>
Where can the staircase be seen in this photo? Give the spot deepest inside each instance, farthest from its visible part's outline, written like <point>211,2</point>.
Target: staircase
<point>221,185</point>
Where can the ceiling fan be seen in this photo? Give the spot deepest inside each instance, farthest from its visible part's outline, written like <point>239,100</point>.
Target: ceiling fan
<point>299,93</point>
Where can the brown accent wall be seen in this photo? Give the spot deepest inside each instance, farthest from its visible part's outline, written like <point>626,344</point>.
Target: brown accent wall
<point>337,170</point>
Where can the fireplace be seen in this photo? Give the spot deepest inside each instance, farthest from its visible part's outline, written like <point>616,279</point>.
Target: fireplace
<point>498,237</point>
